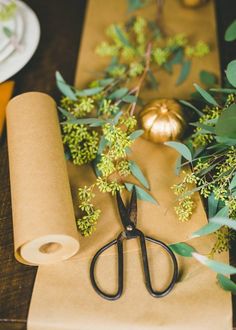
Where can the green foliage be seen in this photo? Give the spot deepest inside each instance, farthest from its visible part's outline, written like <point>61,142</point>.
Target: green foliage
<point>205,95</point>
<point>231,73</point>
<point>216,266</point>
<point>128,43</point>
<point>136,4</point>
<point>7,10</point>
<point>186,66</point>
<point>207,78</point>
<point>230,34</point>
<point>181,148</point>
<point>8,32</point>
<point>225,125</point>
<point>138,174</point>
<point>141,193</point>
<point>226,283</point>
<point>213,170</point>
<point>100,130</point>
<point>182,249</point>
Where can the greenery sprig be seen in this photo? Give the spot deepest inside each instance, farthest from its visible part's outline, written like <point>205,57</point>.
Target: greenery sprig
<point>100,129</point>
<point>128,43</point>
<point>211,154</point>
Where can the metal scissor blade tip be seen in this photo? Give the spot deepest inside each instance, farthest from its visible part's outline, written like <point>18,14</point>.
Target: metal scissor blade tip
<point>133,206</point>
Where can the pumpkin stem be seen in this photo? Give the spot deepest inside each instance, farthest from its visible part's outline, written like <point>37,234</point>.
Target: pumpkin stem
<point>163,108</point>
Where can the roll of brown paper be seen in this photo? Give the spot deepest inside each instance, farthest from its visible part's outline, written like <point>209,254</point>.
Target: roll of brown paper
<point>43,215</point>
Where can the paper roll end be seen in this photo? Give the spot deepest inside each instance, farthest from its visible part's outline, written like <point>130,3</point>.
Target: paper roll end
<point>47,250</point>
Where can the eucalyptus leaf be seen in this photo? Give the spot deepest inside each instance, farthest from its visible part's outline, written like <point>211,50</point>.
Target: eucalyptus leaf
<point>230,33</point>
<point>136,4</point>
<point>206,230</point>
<point>106,82</point>
<point>192,107</point>
<point>212,205</point>
<point>205,95</point>
<point>226,124</point>
<point>232,184</point>
<point>66,113</point>
<point>225,140</point>
<point>224,90</point>
<point>184,72</point>
<point>130,99</point>
<point>136,134</point>
<point>141,193</point>
<point>95,162</point>
<point>152,79</point>
<point>138,174</point>
<point>204,128</point>
<point>65,89</point>
<point>89,91</point>
<point>168,67</point>
<point>115,120</point>
<point>119,93</point>
<point>226,283</point>
<point>207,78</point>
<point>178,165</point>
<point>178,57</point>
<point>231,73</point>
<point>218,267</point>
<point>122,37</point>
<point>102,144</point>
<point>181,148</point>
<point>223,222</point>
<point>86,121</point>
<point>182,249</point>
<point>212,225</point>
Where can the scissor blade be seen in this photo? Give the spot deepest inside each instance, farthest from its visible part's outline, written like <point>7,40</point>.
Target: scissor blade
<point>133,206</point>
<point>124,215</point>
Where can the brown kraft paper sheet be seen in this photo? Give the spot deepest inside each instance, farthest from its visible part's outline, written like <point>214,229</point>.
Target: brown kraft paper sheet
<point>63,297</point>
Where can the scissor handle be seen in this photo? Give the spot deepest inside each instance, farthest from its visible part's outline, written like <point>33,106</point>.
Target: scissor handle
<point>104,295</point>
<point>157,294</point>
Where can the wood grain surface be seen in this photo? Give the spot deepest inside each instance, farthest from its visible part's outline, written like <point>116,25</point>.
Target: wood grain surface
<point>61,25</point>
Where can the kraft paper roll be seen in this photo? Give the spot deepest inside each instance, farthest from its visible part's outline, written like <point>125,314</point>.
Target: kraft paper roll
<point>43,216</point>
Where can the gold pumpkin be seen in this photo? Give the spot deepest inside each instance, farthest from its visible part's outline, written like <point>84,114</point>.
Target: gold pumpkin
<point>193,3</point>
<point>162,120</point>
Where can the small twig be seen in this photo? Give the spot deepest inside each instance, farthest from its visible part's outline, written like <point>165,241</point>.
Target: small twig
<point>160,4</point>
<point>146,69</point>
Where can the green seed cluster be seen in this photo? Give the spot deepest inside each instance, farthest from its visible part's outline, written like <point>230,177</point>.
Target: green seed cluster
<point>211,174</point>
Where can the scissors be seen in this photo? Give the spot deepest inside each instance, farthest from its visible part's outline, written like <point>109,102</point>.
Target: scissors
<point>129,220</point>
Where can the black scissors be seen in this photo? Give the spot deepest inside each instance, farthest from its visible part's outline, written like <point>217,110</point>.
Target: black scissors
<point>129,220</point>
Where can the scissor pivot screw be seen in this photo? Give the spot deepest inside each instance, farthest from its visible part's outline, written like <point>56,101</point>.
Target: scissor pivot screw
<point>129,228</point>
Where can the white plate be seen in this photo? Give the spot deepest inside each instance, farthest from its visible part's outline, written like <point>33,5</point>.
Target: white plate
<point>17,33</point>
<point>29,42</point>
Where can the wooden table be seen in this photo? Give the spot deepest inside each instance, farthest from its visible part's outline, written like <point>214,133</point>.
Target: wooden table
<point>61,24</point>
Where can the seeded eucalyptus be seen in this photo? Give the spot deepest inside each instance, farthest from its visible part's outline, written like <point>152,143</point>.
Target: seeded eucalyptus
<point>99,128</point>
<point>127,42</point>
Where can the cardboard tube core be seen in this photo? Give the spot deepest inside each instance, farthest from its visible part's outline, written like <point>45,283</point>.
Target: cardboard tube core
<point>50,247</point>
